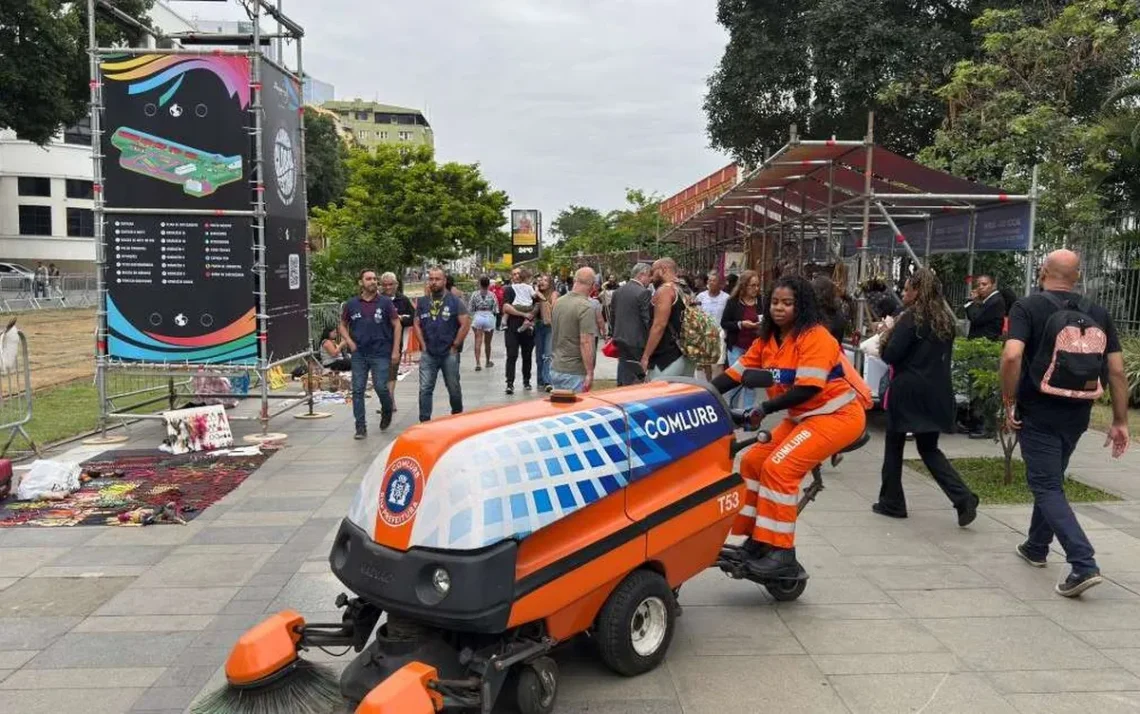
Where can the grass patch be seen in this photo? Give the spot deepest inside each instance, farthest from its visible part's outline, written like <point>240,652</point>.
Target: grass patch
<point>1102,419</point>
<point>984,476</point>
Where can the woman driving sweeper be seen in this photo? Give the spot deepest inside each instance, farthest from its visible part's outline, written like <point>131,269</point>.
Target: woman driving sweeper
<point>826,401</point>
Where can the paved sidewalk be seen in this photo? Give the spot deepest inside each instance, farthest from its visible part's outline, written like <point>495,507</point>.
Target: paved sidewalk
<point>899,616</point>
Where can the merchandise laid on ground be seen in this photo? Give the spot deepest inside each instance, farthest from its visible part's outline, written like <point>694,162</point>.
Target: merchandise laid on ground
<point>135,488</point>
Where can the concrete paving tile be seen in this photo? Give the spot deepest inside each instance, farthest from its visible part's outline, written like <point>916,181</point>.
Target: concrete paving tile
<point>165,698</point>
<point>584,679</point>
<point>35,537</point>
<point>246,607</point>
<point>712,587</point>
<point>703,631</point>
<point>14,659</point>
<point>926,577</point>
<point>275,504</point>
<point>168,601</point>
<point>267,549</point>
<point>184,676</point>
<point>90,571</point>
<point>59,597</point>
<point>236,536</point>
<point>1111,639</point>
<point>41,701</point>
<point>315,593</point>
<point>118,649</point>
<point>862,636</point>
<point>842,591</point>
<point>990,644</point>
<point>202,657</point>
<point>873,541</point>
<point>715,685</point>
<point>145,623</point>
<point>646,706</point>
<point>911,663</point>
<point>18,562</point>
<point>861,563</point>
<point>114,555</point>
<point>870,611</point>
<point>155,535</point>
<point>256,593</point>
<point>1089,613</point>
<point>947,693</point>
<point>33,633</point>
<point>114,678</point>
<point>5,673</point>
<point>968,542</point>
<point>202,570</point>
<point>270,580</point>
<point>1065,680</point>
<point>246,519</point>
<point>991,602</point>
<point>1099,702</point>
<point>1128,658</point>
<point>6,583</point>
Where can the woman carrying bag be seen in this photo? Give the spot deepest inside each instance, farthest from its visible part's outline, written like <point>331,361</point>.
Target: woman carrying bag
<point>741,325</point>
<point>920,399</point>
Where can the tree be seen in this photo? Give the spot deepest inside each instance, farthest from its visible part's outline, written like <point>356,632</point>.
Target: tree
<point>1035,98</point>
<point>401,208</point>
<point>576,220</point>
<point>326,154</point>
<point>585,231</point>
<point>44,63</point>
<point>823,64</point>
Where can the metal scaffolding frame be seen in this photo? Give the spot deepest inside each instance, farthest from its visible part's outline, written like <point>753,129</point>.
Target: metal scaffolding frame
<point>812,190</point>
<point>170,371</point>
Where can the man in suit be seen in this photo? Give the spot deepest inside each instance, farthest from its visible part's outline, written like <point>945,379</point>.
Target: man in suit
<point>986,311</point>
<point>630,316</point>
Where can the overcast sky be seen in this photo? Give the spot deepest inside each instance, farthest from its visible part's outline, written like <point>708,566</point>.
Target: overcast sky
<point>559,101</point>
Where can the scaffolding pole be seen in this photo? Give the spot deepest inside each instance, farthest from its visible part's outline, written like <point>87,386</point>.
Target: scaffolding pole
<point>865,241</point>
<point>1034,188</point>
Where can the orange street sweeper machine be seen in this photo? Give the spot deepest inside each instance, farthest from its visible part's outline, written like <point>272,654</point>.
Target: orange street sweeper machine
<point>487,538</point>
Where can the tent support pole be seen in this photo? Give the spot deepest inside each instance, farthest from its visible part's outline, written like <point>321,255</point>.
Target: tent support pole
<point>865,242</point>
<point>1029,254</point>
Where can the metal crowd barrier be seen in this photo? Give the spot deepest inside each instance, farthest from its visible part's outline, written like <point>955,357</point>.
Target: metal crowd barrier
<point>15,389</point>
<point>20,293</point>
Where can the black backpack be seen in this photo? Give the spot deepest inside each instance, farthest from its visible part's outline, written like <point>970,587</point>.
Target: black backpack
<point>1070,361</point>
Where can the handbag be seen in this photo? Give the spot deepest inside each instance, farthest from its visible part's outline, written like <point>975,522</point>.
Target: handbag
<point>610,349</point>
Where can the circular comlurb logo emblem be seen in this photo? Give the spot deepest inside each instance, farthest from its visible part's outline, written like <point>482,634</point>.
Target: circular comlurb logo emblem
<point>285,166</point>
<point>401,492</point>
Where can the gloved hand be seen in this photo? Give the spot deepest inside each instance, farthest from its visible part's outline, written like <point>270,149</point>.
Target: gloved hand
<point>753,417</point>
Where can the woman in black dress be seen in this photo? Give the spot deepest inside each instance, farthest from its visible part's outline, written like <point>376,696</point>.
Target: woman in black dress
<point>920,399</point>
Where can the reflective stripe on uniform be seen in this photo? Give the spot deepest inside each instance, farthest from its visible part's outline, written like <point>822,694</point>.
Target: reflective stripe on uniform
<point>830,407</point>
<point>785,499</point>
<point>748,511</point>
<point>753,486</point>
<point>812,373</point>
<point>775,526</point>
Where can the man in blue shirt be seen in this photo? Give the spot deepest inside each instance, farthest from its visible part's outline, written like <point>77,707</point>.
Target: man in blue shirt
<point>441,325</point>
<point>371,328</point>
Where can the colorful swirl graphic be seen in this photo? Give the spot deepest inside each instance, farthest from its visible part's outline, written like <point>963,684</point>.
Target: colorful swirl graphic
<point>235,343</point>
<point>158,70</point>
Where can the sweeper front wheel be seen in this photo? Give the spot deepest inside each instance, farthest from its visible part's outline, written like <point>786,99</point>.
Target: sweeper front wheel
<point>536,686</point>
<point>636,624</point>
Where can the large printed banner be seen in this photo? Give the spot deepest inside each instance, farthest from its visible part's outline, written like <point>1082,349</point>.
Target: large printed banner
<point>176,137</point>
<point>1002,228</point>
<point>286,282</point>
<point>525,235</point>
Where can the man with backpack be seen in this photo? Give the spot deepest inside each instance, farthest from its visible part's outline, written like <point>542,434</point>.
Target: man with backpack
<point>680,337</point>
<point>1061,351</point>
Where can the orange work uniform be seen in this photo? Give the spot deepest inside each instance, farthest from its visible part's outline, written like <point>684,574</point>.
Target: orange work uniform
<point>813,431</point>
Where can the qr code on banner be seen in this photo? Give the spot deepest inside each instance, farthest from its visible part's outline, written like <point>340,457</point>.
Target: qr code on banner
<point>294,271</point>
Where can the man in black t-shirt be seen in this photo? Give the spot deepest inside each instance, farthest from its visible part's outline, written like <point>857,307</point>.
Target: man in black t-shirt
<point>1050,426</point>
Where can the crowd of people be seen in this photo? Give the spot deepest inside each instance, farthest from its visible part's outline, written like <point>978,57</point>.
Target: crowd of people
<point>1059,353</point>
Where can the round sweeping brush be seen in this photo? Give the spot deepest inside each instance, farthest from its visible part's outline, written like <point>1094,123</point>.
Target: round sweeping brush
<point>302,688</point>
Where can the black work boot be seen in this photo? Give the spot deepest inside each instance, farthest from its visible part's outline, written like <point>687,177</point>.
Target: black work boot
<point>748,550</point>
<point>776,563</point>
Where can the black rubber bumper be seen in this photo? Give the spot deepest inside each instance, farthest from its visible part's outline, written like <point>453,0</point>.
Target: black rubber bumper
<point>400,582</point>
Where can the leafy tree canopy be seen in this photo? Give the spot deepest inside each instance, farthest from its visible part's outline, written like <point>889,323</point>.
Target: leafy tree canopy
<point>326,176</point>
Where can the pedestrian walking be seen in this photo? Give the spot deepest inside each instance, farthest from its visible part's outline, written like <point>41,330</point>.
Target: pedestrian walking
<point>519,306</point>
<point>1060,352</point>
<point>713,301</point>
<point>662,353</point>
<point>630,317</point>
<point>370,327</point>
<point>484,309</point>
<point>741,326</point>
<point>441,325</point>
<point>390,287</point>
<point>542,334</point>
<point>574,333</point>
<point>920,399</point>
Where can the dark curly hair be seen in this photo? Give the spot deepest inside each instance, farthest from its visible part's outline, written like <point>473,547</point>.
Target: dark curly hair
<point>808,314</point>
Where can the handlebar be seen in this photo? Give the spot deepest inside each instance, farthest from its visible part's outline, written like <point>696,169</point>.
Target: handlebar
<point>749,419</point>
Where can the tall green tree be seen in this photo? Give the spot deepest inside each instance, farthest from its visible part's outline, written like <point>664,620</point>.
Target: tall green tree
<point>824,64</point>
<point>44,63</point>
<point>573,221</point>
<point>401,208</point>
<point>1035,98</point>
<point>326,158</point>
<point>587,231</point>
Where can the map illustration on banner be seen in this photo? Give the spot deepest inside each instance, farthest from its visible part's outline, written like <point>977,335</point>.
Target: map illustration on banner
<point>287,276</point>
<point>526,227</point>
<point>176,137</point>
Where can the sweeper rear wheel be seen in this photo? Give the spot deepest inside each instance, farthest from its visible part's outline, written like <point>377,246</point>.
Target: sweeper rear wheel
<point>636,624</point>
<point>786,590</point>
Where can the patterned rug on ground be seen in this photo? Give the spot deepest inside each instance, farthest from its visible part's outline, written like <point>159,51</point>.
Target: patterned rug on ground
<point>138,487</point>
